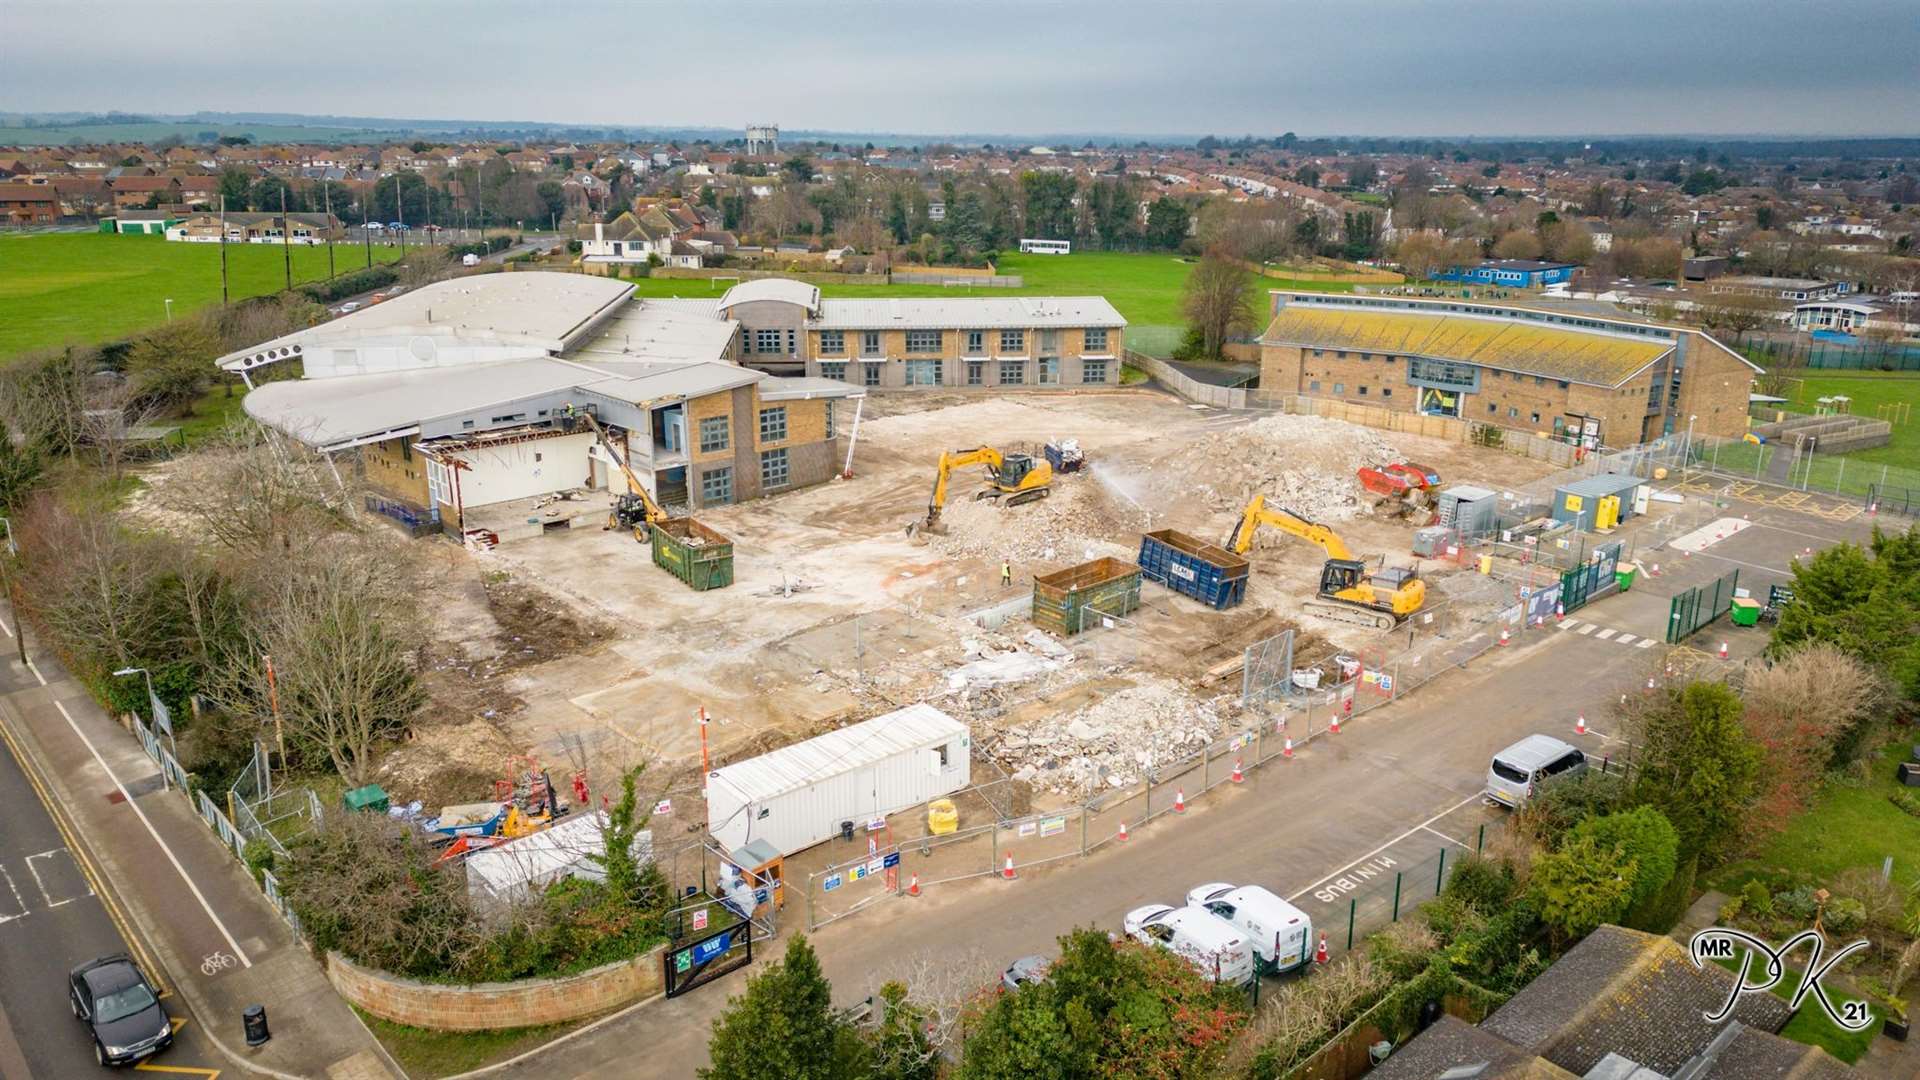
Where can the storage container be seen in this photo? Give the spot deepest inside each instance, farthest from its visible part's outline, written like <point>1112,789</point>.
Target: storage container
<point>1207,572</point>
<point>693,553</point>
<point>1065,601</point>
<point>796,797</point>
<point>371,799</point>
<point>1745,611</point>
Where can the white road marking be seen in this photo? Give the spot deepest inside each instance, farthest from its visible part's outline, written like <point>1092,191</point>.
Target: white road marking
<point>1605,634</point>
<point>1645,643</point>
<point>1444,836</point>
<point>42,882</point>
<point>1624,639</point>
<point>1471,798</point>
<point>1569,624</point>
<point>142,815</point>
<point>17,900</point>
<point>1589,628</point>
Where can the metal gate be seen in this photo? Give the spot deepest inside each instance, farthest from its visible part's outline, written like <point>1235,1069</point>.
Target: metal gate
<point>1266,670</point>
<point>1591,579</point>
<point>701,960</point>
<point>1699,606</point>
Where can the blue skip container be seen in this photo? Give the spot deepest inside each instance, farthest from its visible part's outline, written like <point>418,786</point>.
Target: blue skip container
<point>1207,572</point>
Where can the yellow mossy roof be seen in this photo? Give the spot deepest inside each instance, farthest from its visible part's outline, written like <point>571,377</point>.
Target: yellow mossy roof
<point>1552,351</point>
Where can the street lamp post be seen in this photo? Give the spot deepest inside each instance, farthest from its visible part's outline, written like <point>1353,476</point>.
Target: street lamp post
<point>19,639</point>
<point>159,711</point>
<point>1686,456</point>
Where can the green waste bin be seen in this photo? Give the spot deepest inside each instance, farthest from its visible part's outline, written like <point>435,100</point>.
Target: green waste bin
<point>371,799</point>
<point>1624,576</point>
<point>1745,611</point>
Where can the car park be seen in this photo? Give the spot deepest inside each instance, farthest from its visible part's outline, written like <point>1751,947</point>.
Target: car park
<point>112,996</point>
<point>1211,944</point>
<point>1517,772</point>
<point>1027,969</point>
<point>1281,934</point>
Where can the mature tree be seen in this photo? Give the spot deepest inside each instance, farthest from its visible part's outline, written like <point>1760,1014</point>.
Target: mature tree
<point>1735,313</point>
<point>1695,763</point>
<point>170,364</point>
<point>1864,602</point>
<point>1642,836</point>
<point>1362,175</point>
<point>1517,244</point>
<point>1049,204</point>
<point>1167,223</point>
<point>785,1025</point>
<point>1360,234</point>
<point>1803,726</point>
<point>902,1049</point>
<point>236,188</point>
<point>1104,1010</point>
<point>1218,302</point>
<point>21,467</point>
<point>1581,885</point>
<point>798,168</point>
<point>267,193</point>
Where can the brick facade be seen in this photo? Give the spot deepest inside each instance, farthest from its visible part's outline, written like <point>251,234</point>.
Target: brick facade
<point>496,1006</point>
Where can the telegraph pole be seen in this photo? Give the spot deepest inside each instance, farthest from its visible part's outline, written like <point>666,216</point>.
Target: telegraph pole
<point>223,251</point>
<point>286,235</point>
<point>364,231</point>
<point>326,192</point>
<point>400,213</point>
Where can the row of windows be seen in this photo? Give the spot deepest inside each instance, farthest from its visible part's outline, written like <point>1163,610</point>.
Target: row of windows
<point>715,433</point>
<point>716,484</point>
<point>933,372</point>
<point>834,342</point>
<point>774,341</point>
<point>1341,388</point>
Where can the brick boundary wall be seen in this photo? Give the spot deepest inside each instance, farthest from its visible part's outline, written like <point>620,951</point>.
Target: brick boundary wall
<point>493,1006</point>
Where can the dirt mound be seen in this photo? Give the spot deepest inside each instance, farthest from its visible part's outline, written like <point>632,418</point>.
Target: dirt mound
<point>1304,463</point>
<point>1076,523</point>
<point>1111,743</point>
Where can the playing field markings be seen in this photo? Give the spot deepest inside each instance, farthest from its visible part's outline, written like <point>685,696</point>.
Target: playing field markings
<point>53,869</point>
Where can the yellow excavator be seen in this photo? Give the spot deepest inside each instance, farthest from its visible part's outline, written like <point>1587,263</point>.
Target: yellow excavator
<point>636,509</point>
<point>1014,478</point>
<point>1348,592</point>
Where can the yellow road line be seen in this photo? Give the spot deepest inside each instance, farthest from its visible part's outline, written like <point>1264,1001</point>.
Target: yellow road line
<point>186,1070</point>
<point>83,858</point>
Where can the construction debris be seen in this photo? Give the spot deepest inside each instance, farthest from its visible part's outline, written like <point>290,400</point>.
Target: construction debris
<point>1065,528</point>
<point>1110,744</point>
<point>1304,463</point>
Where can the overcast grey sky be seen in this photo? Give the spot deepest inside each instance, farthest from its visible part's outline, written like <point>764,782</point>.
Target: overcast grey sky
<point>1389,67</point>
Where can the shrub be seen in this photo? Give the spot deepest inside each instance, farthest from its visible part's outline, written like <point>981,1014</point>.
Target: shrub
<point>1642,835</point>
<point>1581,885</point>
<point>1405,948</point>
<point>1730,911</point>
<point>1757,899</point>
<point>1659,913</point>
<point>1845,916</point>
<point>1553,812</point>
<point>1481,883</point>
<point>1796,903</point>
<point>1906,801</point>
<point>359,281</point>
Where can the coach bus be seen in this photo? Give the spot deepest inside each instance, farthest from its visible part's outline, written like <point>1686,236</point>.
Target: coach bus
<point>1046,247</point>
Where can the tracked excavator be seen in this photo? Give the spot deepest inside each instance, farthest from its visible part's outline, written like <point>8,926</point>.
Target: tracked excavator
<point>635,511</point>
<point>1348,591</point>
<point>1011,478</point>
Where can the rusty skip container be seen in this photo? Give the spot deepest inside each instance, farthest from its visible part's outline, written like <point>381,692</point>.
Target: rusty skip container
<point>1065,601</point>
<point>693,553</point>
<point>1187,564</point>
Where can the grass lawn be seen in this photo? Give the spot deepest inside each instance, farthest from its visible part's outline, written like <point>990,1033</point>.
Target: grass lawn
<point>428,1054</point>
<point>1143,287</point>
<point>1848,825</point>
<point>1809,1023</point>
<point>61,288</point>
<point>1869,390</point>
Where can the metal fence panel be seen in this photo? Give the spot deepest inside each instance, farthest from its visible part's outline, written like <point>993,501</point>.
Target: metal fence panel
<point>1266,670</point>
<point>1697,607</point>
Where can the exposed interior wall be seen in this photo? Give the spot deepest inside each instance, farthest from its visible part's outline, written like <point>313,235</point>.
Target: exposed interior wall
<point>520,470</point>
<point>392,468</point>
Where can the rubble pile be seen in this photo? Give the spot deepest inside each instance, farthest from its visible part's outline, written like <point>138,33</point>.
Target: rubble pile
<point>1111,743</point>
<point>1069,526</point>
<point>1308,464</point>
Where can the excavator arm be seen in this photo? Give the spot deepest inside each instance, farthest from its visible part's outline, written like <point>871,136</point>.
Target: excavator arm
<point>958,459</point>
<point>1287,522</point>
<point>654,513</point>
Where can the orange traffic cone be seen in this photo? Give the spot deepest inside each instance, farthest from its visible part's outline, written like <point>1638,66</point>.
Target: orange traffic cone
<point>1503,637</point>
<point>1320,950</point>
<point>1723,650</point>
<point>1123,832</point>
<point>1179,800</point>
<point>1649,682</point>
<point>913,885</point>
<point>1334,725</point>
<point>1238,777</point>
<point>1286,751</point>
<point>1008,872</point>
<point>1580,725</point>
<point>1559,611</point>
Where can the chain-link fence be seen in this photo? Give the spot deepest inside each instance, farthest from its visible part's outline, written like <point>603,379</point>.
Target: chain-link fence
<point>1695,608</point>
<point>1805,468</point>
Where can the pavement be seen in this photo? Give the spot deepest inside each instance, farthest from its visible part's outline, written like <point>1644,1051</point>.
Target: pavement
<point>98,857</point>
<point>1332,829</point>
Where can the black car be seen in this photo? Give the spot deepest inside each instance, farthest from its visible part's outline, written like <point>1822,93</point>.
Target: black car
<point>120,1009</point>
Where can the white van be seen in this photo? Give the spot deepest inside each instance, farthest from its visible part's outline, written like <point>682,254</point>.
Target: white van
<point>1208,942</point>
<point>1281,934</point>
<point>1516,772</point>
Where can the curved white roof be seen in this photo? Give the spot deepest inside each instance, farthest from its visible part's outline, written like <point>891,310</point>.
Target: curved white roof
<point>785,290</point>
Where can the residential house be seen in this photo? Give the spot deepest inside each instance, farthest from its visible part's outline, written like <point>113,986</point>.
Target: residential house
<point>248,227</point>
<point>137,192</point>
<point>29,204</point>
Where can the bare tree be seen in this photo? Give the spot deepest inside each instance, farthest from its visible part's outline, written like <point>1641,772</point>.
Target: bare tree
<point>1218,301</point>
<point>1736,314</point>
<point>255,493</point>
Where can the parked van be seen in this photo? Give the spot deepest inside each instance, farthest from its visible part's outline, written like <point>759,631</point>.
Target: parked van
<point>1211,944</point>
<point>1279,932</point>
<point>1517,771</point>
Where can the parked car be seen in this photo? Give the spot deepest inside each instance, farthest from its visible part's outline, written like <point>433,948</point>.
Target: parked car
<point>1211,944</point>
<point>1281,934</point>
<point>1518,771</point>
<point>374,226</point>
<point>1027,969</point>
<point>348,308</point>
<point>122,1013</point>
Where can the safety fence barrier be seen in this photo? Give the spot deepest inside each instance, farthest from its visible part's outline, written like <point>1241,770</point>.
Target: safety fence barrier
<point>1695,608</point>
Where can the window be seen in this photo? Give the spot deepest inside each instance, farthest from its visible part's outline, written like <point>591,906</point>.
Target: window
<point>923,372</point>
<point>870,374</point>
<point>1513,413</point>
<point>1013,341</point>
<point>1313,387</point>
<point>713,433</point>
<point>1363,391</point>
<point>1536,418</point>
<point>1093,371</point>
<point>1539,380</point>
<point>1339,388</point>
<point>976,342</point>
<point>1563,384</point>
<point>831,432</point>
<point>976,373</point>
<point>791,349</point>
<point>833,342</point>
<point>923,341</point>
<point>1013,372</point>
<point>1049,370</point>
<point>509,418</point>
<point>1095,338</point>
<point>773,424</point>
<point>1340,353</point>
<point>870,344</point>
<point>773,469</point>
<point>766,341</point>
<point>406,450</point>
<point>834,370</point>
<point>716,486</point>
<point>1386,391</point>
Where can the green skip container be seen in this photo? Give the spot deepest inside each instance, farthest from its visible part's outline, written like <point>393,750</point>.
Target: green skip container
<point>693,553</point>
<point>1065,601</point>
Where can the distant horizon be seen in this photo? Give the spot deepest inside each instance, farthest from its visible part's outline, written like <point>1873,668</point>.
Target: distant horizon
<point>1019,69</point>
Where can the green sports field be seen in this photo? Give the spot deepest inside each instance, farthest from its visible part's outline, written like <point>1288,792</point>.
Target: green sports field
<point>84,288</point>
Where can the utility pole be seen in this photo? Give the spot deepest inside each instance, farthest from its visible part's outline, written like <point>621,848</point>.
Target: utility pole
<point>223,251</point>
<point>400,213</point>
<point>326,193</point>
<point>286,235</point>
<point>364,231</point>
<point>273,702</point>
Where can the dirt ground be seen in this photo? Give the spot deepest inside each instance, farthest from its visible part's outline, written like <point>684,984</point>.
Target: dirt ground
<point>837,614</point>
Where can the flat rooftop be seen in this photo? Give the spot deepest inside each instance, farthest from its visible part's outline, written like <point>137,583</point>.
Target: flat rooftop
<point>967,313</point>
<point>674,331</point>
